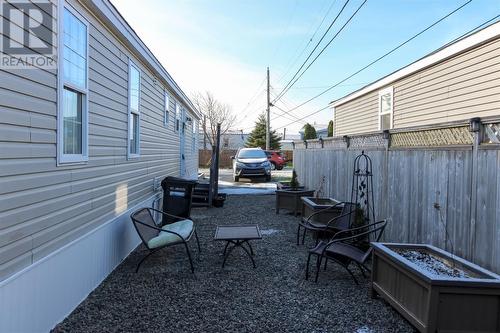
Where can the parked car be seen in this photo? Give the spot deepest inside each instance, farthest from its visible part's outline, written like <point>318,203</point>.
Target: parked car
<point>251,162</point>
<point>277,159</point>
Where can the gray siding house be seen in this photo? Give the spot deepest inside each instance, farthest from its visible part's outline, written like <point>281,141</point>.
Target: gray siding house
<point>81,146</point>
<point>455,83</point>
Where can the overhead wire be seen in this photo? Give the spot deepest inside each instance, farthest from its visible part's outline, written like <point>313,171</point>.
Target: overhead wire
<point>315,47</point>
<point>323,49</point>
<point>379,58</point>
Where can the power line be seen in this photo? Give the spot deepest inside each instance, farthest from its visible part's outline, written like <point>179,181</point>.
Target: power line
<point>310,39</point>
<point>383,56</point>
<point>325,47</point>
<point>315,47</point>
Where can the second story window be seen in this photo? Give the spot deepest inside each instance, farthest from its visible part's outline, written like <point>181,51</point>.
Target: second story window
<point>73,87</point>
<point>385,109</point>
<point>134,94</point>
<point>195,135</point>
<point>166,109</point>
<point>177,117</point>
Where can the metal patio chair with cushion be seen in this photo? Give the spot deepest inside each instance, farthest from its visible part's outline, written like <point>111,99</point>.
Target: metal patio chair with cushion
<point>156,235</point>
<point>341,222</point>
<point>346,247</point>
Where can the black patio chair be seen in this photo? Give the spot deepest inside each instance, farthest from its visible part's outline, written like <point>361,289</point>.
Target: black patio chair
<point>346,247</point>
<point>156,235</point>
<point>341,222</point>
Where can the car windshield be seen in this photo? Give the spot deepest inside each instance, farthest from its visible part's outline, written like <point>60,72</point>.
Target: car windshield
<point>254,153</point>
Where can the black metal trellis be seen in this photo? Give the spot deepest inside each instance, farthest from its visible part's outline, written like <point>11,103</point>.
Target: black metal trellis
<point>362,186</point>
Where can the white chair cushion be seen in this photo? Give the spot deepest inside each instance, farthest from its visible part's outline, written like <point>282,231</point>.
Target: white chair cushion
<point>183,228</point>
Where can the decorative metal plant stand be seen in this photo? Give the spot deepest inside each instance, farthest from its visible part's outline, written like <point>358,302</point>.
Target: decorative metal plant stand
<point>362,186</point>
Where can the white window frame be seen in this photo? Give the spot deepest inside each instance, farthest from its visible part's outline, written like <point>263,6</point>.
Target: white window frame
<point>138,113</point>
<point>388,90</point>
<point>166,109</point>
<point>177,117</point>
<point>333,118</point>
<point>62,158</point>
<point>194,134</point>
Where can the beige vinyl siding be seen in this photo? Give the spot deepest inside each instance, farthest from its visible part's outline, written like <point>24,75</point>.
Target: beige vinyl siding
<point>352,117</point>
<point>44,206</point>
<point>459,88</point>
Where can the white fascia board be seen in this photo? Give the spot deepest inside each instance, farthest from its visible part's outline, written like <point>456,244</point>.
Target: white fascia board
<point>109,12</point>
<point>480,37</point>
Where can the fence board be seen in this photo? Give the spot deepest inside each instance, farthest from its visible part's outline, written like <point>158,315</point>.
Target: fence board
<point>424,193</point>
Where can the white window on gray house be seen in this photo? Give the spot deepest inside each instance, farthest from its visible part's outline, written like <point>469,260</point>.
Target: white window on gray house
<point>134,95</point>
<point>177,117</point>
<point>73,87</point>
<point>195,134</point>
<point>385,109</point>
<point>166,109</point>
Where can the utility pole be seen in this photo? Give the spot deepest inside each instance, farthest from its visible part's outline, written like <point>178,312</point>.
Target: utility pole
<point>284,133</point>
<point>268,125</point>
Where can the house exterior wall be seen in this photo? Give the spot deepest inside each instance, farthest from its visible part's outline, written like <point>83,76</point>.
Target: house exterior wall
<point>461,87</point>
<point>44,206</point>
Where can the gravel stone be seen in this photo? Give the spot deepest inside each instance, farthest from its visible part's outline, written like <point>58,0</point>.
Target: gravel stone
<point>274,297</point>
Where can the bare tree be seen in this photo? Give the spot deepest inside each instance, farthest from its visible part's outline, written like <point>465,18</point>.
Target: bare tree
<point>215,112</point>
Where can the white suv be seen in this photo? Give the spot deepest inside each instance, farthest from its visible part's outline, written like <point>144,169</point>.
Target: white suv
<point>251,162</point>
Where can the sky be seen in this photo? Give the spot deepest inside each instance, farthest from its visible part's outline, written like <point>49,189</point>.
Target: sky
<point>225,46</point>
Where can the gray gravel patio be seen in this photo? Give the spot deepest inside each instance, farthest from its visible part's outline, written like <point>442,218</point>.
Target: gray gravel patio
<point>165,297</point>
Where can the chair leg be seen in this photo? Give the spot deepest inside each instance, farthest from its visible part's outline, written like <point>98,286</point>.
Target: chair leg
<point>189,256</point>
<point>197,241</point>
<point>307,266</point>
<point>298,235</point>
<point>142,260</point>
<point>304,236</point>
<point>361,269</point>
<point>326,261</point>
<point>318,267</point>
<point>352,274</point>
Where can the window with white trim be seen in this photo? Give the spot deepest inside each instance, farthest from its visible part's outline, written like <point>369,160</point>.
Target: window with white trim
<point>385,108</point>
<point>134,95</point>
<point>166,109</point>
<point>73,87</point>
<point>177,117</point>
<point>195,134</point>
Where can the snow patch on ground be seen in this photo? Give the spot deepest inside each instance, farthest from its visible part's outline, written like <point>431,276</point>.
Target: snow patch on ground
<point>246,188</point>
<point>267,232</point>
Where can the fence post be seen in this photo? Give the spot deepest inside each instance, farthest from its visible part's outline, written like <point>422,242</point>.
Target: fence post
<point>475,128</point>
<point>385,174</point>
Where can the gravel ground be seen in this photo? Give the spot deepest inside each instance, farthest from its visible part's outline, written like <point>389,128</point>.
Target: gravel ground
<point>165,297</point>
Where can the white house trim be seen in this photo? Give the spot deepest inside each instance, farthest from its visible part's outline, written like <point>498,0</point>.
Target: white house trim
<point>65,159</point>
<point>480,37</point>
<point>38,297</point>
<point>113,18</point>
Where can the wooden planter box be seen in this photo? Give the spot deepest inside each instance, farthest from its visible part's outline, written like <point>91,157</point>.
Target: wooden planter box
<point>436,303</point>
<point>312,205</point>
<point>290,199</point>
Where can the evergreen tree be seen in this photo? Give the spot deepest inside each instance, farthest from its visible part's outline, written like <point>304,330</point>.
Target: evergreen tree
<point>257,137</point>
<point>330,128</point>
<point>309,132</point>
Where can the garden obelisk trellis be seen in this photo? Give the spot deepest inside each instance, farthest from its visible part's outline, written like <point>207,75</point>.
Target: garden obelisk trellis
<point>362,186</point>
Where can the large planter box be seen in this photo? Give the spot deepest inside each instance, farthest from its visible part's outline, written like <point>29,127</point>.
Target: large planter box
<point>434,302</point>
<point>311,205</point>
<point>290,199</point>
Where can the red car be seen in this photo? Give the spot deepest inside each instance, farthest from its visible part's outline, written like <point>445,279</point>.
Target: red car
<point>276,158</point>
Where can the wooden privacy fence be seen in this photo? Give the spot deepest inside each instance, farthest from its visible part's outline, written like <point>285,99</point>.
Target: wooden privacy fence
<point>435,185</point>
